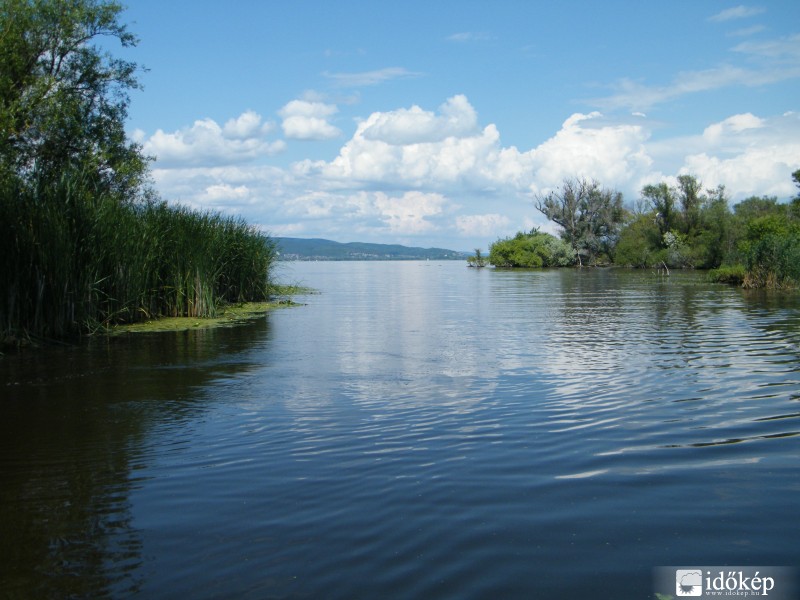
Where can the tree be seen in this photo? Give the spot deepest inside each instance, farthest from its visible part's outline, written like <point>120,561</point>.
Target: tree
<point>477,259</point>
<point>63,100</point>
<point>590,216</point>
<point>662,200</point>
<point>796,179</point>
<point>691,200</point>
<point>794,206</point>
<point>716,235</point>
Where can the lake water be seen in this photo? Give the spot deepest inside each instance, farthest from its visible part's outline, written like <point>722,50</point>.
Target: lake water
<point>417,430</point>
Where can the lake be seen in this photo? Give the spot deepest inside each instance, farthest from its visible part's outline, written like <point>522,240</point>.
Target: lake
<point>416,430</point>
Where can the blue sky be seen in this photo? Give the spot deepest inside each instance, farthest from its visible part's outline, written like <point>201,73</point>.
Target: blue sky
<point>437,123</point>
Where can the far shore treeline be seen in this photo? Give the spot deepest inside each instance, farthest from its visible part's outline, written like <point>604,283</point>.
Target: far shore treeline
<point>85,241</point>
<point>754,244</point>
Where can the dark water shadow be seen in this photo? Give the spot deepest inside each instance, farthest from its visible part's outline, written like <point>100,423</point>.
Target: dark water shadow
<point>74,423</point>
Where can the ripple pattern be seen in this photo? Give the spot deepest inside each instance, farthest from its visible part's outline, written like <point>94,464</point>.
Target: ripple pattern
<point>420,430</point>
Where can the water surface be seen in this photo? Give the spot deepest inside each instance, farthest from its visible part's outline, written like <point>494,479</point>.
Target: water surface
<point>418,429</point>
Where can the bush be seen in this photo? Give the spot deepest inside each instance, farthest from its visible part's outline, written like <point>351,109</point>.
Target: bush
<point>531,250</point>
<point>639,244</point>
<point>772,252</point>
<point>733,274</point>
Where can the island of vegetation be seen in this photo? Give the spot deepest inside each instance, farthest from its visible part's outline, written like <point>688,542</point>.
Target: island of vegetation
<point>755,244</point>
<point>85,241</point>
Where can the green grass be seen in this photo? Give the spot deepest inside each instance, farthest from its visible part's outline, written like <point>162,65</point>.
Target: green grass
<point>227,316</point>
<point>76,260</point>
<point>734,274</point>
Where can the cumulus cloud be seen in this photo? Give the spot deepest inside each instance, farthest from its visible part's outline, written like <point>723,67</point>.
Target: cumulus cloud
<point>447,151</point>
<point>456,118</point>
<point>307,120</point>
<point>749,155</point>
<point>419,174</point>
<point>246,125</point>
<point>411,147</point>
<point>408,214</point>
<point>221,192</point>
<point>734,124</point>
<point>590,146</point>
<point>207,143</point>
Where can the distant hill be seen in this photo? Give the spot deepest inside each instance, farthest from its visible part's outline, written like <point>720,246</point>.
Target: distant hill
<point>319,249</point>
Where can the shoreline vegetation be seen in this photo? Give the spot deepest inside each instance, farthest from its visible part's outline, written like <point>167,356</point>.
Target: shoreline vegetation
<point>754,245</point>
<point>227,316</point>
<point>86,243</point>
<point>81,261</point>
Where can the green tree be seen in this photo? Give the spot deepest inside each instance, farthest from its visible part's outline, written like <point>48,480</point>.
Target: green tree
<point>692,201</point>
<point>590,216</point>
<point>662,200</point>
<point>794,207</point>
<point>715,238</point>
<point>477,259</point>
<point>63,100</point>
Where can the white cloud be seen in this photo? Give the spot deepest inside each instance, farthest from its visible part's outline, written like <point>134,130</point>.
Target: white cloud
<point>749,155</point>
<point>769,62</point>
<point>412,147</point>
<point>206,143</point>
<point>469,36</point>
<point>370,78</point>
<point>782,49</point>
<point>246,125</point>
<point>456,118</point>
<point>638,97</point>
<point>747,31</point>
<point>417,175</point>
<point>307,120</point>
<point>484,226</point>
<point>408,214</point>
<point>737,12</point>
<point>589,146</point>
<point>221,192</point>
<point>447,151</point>
<point>734,124</point>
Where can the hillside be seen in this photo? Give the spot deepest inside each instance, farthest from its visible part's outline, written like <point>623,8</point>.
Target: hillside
<point>319,249</point>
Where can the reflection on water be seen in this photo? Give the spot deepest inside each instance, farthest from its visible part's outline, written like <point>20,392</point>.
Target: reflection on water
<point>74,424</point>
<point>416,430</point>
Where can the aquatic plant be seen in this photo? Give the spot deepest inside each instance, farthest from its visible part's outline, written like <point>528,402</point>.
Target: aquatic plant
<point>77,258</point>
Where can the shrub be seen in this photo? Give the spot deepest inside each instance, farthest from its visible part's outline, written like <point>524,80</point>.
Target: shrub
<point>531,250</point>
<point>733,274</point>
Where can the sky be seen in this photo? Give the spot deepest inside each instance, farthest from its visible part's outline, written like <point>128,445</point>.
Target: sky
<point>439,123</point>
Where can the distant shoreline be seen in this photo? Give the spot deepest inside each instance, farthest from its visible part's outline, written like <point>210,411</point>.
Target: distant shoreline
<point>302,249</point>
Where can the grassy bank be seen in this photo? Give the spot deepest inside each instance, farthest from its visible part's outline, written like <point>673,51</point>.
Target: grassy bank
<point>77,259</point>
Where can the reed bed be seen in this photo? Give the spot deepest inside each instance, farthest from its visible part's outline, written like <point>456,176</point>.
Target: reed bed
<point>76,259</point>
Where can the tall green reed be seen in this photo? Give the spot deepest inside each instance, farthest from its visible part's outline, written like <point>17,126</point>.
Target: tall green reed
<point>76,258</point>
